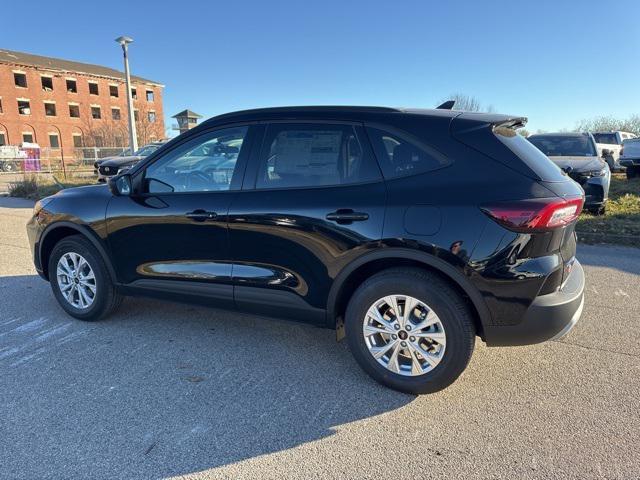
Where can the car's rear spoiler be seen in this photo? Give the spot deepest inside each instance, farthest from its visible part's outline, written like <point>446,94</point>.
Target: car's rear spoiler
<point>472,121</point>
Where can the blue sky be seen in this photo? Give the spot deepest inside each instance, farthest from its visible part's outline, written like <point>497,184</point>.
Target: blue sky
<point>555,62</point>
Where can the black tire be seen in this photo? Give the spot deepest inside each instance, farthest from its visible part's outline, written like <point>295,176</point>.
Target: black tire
<point>106,299</point>
<point>598,211</point>
<point>632,172</point>
<point>435,292</point>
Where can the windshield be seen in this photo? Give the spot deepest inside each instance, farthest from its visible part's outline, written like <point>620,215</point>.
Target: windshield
<point>564,145</point>
<point>608,138</point>
<point>146,150</point>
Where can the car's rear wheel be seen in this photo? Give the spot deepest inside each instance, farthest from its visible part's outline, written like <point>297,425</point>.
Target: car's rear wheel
<point>80,280</point>
<point>410,330</point>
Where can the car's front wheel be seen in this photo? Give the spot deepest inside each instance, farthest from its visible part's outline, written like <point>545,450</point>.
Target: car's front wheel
<point>80,280</point>
<point>410,330</point>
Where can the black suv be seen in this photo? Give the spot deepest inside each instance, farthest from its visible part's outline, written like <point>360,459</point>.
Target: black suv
<point>410,232</point>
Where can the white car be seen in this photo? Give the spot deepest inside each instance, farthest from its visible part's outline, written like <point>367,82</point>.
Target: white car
<point>609,145</point>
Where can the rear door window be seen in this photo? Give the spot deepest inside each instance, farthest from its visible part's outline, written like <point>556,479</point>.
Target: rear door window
<point>313,155</point>
<point>401,156</point>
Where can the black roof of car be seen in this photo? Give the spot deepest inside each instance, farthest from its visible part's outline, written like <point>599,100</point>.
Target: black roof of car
<point>349,110</point>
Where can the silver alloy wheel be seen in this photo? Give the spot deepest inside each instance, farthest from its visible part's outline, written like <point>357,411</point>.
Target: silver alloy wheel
<point>404,335</point>
<point>76,280</point>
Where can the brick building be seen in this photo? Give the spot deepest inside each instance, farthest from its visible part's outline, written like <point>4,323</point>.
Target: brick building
<point>64,104</point>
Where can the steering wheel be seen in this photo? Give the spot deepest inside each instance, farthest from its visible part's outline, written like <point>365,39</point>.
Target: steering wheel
<point>196,178</point>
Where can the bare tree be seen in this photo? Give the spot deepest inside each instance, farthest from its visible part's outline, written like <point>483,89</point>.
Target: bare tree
<point>609,124</point>
<point>468,103</point>
<point>103,132</point>
<point>148,125</point>
<point>107,132</point>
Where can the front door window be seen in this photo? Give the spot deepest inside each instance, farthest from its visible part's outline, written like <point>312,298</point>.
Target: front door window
<point>205,163</point>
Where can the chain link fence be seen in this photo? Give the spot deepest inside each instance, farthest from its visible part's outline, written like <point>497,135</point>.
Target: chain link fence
<point>16,162</point>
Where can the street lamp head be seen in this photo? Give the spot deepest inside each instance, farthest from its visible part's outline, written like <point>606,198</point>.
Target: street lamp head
<point>124,40</point>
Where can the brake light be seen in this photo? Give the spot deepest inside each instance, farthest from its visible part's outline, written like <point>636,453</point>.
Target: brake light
<point>538,215</point>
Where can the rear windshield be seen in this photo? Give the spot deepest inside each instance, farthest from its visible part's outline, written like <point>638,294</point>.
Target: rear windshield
<point>565,145</point>
<point>534,158</point>
<point>608,138</point>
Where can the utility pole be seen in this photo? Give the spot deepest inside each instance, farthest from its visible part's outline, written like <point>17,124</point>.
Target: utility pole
<point>133,137</point>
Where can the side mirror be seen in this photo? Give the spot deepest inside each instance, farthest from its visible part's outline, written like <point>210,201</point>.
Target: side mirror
<point>606,152</point>
<point>120,185</point>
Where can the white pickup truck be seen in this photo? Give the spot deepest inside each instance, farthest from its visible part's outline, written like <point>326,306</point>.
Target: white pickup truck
<point>609,145</point>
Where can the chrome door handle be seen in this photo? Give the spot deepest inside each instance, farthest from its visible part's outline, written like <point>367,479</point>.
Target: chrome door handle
<point>201,215</point>
<point>347,216</point>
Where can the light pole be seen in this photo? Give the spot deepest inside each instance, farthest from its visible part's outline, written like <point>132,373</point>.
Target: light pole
<point>133,138</point>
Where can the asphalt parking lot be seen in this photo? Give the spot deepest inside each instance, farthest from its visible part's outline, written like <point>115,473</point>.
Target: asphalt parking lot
<point>165,390</point>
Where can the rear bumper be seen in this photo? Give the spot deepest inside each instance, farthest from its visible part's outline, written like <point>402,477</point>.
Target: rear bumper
<point>548,318</point>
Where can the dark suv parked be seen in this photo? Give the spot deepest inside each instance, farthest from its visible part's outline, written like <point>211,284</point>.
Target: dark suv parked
<point>409,231</point>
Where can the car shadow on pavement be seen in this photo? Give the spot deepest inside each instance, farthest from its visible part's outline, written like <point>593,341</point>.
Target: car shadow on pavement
<point>626,259</point>
<point>13,202</point>
<point>162,389</point>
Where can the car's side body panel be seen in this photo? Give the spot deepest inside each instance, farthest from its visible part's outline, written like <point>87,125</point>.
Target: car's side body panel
<point>286,251</point>
<point>283,244</point>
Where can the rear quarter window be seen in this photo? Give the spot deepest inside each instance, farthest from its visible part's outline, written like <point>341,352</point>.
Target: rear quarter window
<point>401,156</point>
<point>537,161</point>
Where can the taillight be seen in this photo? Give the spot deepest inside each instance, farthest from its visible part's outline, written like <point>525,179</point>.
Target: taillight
<point>536,215</point>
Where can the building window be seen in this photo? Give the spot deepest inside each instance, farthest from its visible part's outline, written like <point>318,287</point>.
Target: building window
<point>149,95</point>
<point>93,88</point>
<point>95,113</point>
<point>23,107</point>
<point>27,137</point>
<point>134,93</point>
<point>54,141</point>
<point>151,116</point>
<point>20,79</point>
<point>136,115</point>
<point>77,140</point>
<point>50,109</point>
<point>115,113</point>
<point>72,86</point>
<point>74,111</point>
<point>47,84</point>
<point>3,139</point>
<point>113,90</point>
